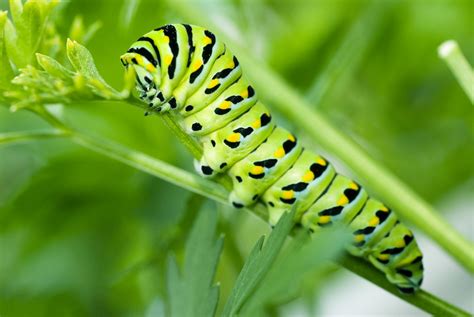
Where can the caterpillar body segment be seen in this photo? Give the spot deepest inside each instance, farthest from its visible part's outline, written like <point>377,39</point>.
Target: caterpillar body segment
<point>187,70</point>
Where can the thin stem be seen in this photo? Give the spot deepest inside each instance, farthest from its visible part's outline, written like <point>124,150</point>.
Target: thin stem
<point>421,299</point>
<point>143,162</point>
<point>193,146</point>
<point>27,136</point>
<point>373,175</point>
<point>450,52</point>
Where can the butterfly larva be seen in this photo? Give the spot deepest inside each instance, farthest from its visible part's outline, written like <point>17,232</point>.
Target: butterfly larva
<point>187,70</point>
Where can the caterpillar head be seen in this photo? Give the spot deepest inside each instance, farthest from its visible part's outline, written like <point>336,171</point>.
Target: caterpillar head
<point>147,79</point>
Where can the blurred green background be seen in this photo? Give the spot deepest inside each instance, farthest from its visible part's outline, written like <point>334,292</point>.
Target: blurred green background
<point>81,234</point>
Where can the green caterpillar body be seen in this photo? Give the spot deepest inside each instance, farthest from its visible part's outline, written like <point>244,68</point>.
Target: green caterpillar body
<point>187,70</point>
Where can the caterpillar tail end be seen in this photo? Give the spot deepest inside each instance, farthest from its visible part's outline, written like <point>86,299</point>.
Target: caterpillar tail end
<point>406,277</point>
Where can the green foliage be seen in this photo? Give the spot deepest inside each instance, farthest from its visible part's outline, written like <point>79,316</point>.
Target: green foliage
<point>24,35</point>
<point>31,33</point>
<point>7,73</point>
<point>301,261</point>
<point>83,62</point>
<point>257,265</point>
<point>56,83</point>
<point>262,282</point>
<point>194,285</point>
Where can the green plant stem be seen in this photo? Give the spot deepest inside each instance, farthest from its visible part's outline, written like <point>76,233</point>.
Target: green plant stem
<point>450,52</point>
<point>145,163</point>
<point>190,143</point>
<point>165,171</point>
<point>216,192</point>
<point>421,299</point>
<point>27,136</point>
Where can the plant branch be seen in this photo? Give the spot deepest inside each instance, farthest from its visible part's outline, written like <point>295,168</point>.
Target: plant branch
<point>421,299</point>
<point>450,52</point>
<point>27,136</point>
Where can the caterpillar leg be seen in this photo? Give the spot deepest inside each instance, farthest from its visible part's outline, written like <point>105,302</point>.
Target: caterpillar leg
<point>378,235</point>
<point>398,256</point>
<point>256,172</point>
<point>388,245</point>
<point>203,168</point>
<point>302,184</point>
<point>340,203</point>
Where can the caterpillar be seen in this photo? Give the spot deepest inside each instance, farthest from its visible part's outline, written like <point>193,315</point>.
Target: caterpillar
<point>187,70</point>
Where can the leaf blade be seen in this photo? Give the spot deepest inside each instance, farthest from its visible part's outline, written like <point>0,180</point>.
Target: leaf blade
<point>258,264</point>
<point>194,285</point>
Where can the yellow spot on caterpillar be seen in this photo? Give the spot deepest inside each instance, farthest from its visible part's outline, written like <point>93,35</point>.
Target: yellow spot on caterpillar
<point>230,64</point>
<point>359,238</point>
<point>353,185</point>
<point>374,221</point>
<point>207,40</point>
<point>399,244</point>
<point>244,93</point>
<point>195,66</point>
<point>279,153</point>
<point>308,177</point>
<point>321,162</point>
<point>225,105</point>
<point>342,201</point>
<point>324,219</point>
<point>213,83</point>
<point>150,68</point>
<point>287,194</point>
<point>166,39</point>
<point>139,59</point>
<point>383,208</point>
<point>234,137</point>
<point>383,257</point>
<point>291,138</point>
<point>168,59</point>
<point>256,124</point>
<point>256,170</point>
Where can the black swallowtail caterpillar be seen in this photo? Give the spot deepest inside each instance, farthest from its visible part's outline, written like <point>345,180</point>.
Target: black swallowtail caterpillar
<point>188,70</point>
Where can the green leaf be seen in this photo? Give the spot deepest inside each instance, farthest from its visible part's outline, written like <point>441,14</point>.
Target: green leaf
<point>285,279</point>
<point>82,60</point>
<point>192,293</point>
<point>23,39</point>
<point>258,264</point>
<point>16,8</point>
<point>6,74</point>
<point>53,67</point>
